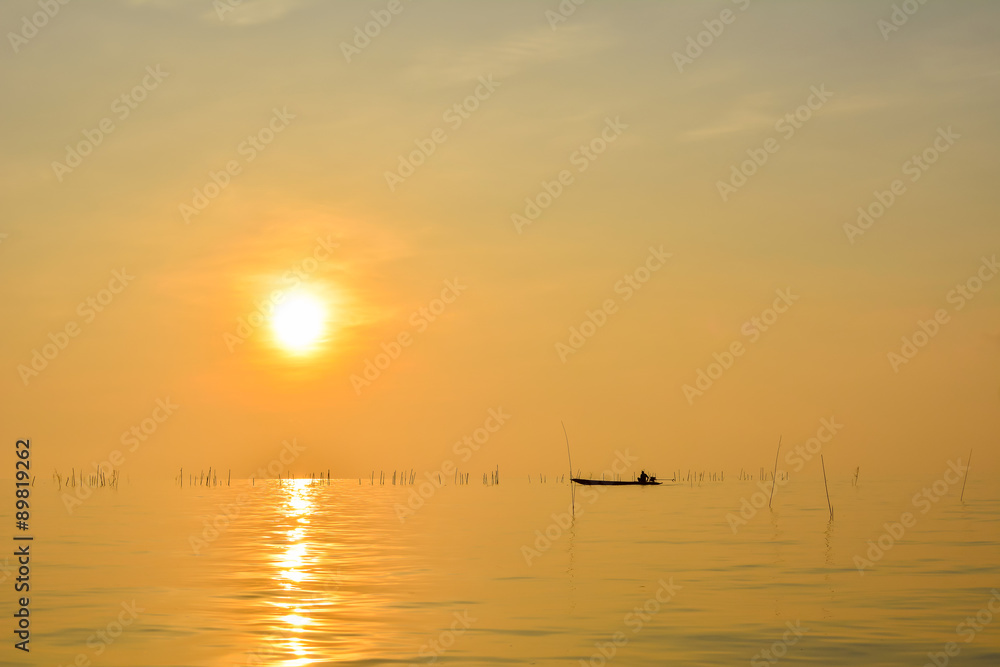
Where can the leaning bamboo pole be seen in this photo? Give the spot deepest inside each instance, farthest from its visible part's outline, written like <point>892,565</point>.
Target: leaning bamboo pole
<point>572,489</point>
<point>774,474</point>
<point>968,464</point>
<point>827,486</point>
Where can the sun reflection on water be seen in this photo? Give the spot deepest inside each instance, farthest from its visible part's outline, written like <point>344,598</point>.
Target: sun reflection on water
<point>312,586</point>
<point>293,565</point>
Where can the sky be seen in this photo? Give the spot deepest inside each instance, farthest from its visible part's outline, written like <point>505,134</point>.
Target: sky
<point>639,219</point>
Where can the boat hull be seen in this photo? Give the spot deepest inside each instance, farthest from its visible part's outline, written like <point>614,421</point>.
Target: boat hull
<point>602,482</point>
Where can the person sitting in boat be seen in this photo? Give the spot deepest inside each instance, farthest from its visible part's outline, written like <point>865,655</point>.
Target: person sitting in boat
<point>643,477</point>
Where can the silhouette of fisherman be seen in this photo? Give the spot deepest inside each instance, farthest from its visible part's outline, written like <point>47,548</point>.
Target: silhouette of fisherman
<point>643,477</point>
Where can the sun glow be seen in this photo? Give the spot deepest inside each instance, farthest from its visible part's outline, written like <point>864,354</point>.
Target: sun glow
<point>299,322</point>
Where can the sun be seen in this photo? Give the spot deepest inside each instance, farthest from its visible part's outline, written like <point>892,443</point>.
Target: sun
<point>299,323</point>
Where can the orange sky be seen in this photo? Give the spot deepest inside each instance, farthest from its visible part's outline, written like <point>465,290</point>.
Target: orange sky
<point>482,180</point>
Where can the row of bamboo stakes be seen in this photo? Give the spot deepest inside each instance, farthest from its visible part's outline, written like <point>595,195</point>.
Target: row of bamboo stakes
<point>99,478</point>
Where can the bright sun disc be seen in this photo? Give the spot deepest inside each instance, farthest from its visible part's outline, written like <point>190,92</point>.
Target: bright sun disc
<point>299,322</point>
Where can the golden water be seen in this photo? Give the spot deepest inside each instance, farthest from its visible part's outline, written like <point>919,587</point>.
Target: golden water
<point>310,574</point>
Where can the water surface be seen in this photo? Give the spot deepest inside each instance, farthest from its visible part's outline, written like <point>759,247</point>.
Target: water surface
<point>308,573</point>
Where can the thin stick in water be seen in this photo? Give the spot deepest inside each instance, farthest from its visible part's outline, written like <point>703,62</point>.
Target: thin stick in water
<point>572,490</point>
<point>828,504</point>
<point>968,464</point>
<point>774,474</point>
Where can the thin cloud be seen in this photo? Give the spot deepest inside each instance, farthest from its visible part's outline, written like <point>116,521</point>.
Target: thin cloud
<point>236,13</point>
<point>507,56</point>
<point>761,111</point>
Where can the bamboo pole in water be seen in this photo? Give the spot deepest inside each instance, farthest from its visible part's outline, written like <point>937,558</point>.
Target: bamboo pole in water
<point>828,503</point>
<point>773,475</point>
<point>572,490</point>
<point>968,464</point>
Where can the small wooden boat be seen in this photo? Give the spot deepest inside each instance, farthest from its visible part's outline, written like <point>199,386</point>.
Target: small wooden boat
<point>602,482</point>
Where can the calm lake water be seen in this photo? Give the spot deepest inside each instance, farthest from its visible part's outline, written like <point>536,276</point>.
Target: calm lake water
<point>312,574</point>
